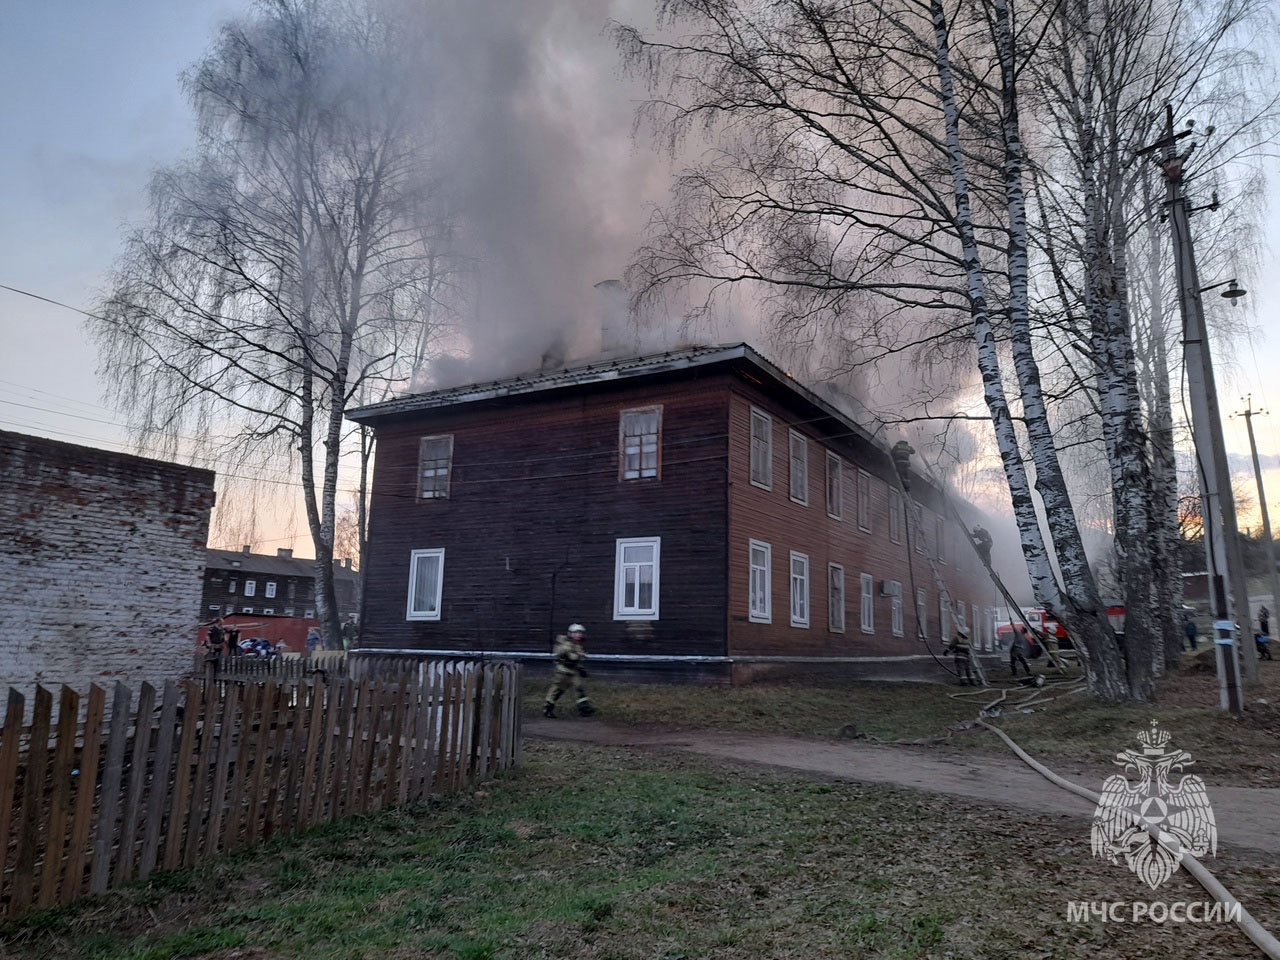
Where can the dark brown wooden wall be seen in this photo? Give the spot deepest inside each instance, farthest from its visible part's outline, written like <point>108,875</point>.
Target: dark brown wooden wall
<point>771,516</point>
<point>535,492</point>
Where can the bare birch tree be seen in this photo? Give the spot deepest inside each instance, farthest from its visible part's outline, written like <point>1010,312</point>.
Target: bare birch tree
<point>288,264</point>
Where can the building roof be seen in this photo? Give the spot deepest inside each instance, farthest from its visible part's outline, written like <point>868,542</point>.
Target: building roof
<point>602,371</point>
<point>275,566</point>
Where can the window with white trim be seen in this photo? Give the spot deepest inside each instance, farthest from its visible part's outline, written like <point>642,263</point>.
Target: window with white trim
<point>922,611</point>
<point>635,578</point>
<point>896,517</point>
<point>426,584</point>
<point>761,449</point>
<point>944,617</point>
<point>229,609</point>
<point>246,609</point>
<point>799,447</point>
<point>268,611</point>
<point>435,465</point>
<point>940,527</point>
<point>760,609</point>
<point>868,606</point>
<point>250,587</point>
<point>309,614</point>
<point>215,607</point>
<point>231,585</point>
<point>835,598</point>
<point>835,486</point>
<point>270,591</point>
<point>896,619</point>
<point>288,611</point>
<point>976,630</point>
<point>864,501</point>
<point>639,442</point>
<point>799,589</point>
<point>920,532</point>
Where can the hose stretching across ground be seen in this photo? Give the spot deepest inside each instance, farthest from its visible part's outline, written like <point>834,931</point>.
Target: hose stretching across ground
<point>1268,944</point>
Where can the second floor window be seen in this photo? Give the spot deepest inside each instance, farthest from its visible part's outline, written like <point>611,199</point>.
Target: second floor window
<point>435,461</point>
<point>250,587</point>
<point>864,501</point>
<point>895,516</point>
<point>835,487</point>
<point>761,449</point>
<point>799,468</point>
<point>641,439</point>
<point>270,590</point>
<point>941,533</point>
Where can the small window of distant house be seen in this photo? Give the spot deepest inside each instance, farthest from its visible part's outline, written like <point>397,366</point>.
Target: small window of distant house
<point>835,598</point>
<point>426,582</point>
<point>246,609</point>
<point>799,590</point>
<point>268,611</point>
<point>309,614</point>
<point>215,608</point>
<point>922,612</point>
<point>761,449</point>
<point>895,608</point>
<point>270,590</point>
<point>868,608</point>
<point>635,579</point>
<point>435,458</point>
<point>799,468</point>
<point>940,533</point>
<point>288,611</point>
<point>864,501</point>
<point>293,588</point>
<point>231,586</point>
<point>640,440</point>
<point>250,588</point>
<point>835,487</point>
<point>760,603</point>
<point>895,516</point>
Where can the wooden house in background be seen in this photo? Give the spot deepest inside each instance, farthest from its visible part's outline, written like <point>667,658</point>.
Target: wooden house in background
<point>702,513</point>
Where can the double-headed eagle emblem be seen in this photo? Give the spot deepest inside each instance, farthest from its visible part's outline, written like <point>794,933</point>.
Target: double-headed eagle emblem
<point>1152,823</point>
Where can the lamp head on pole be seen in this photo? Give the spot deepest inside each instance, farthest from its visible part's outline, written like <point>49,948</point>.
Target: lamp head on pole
<point>1233,292</point>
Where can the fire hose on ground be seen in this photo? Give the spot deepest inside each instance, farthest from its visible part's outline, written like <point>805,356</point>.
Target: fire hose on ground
<point>1268,944</point>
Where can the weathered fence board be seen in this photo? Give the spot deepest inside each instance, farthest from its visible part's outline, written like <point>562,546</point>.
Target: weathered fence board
<point>199,769</point>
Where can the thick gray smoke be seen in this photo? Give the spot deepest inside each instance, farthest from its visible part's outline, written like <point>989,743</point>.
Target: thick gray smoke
<point>551,189</point>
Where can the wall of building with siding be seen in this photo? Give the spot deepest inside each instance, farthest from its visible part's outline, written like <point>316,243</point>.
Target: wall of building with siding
<point>101,558</point>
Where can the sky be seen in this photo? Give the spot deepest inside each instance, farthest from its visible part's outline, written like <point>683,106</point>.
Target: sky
<point>92,104</point>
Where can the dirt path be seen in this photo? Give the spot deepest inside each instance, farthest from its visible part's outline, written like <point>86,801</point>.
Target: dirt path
<point>1246,817</point>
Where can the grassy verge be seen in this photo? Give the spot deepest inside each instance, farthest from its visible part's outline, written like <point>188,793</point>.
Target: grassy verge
<point>1075,731</point>
<point>600,853</point>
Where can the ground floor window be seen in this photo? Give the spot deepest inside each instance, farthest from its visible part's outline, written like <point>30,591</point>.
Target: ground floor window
<point>922,612</point>
<point>799,589</point>
<point>426,583</point>
<point>895,609</point>
<point>759,603</point>
<point>868,584</point>
<point>835,597</point>
<point>635,586</point>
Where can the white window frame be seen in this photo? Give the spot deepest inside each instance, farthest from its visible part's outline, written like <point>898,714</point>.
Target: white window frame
<point>835,598</point>
<point>944,618</point>
<point>620,610</point>
<point>864,501</point>
<point>436,492</point>
<point>268,611</point>
<point>640,445</point>
<point>940,528</point>
<point>867,607</point>
<point>799,583</point>
<point>835,486</point>
<point>759,585</point>
<point>896,618</point>
<point>270,590</point>
<point>216,607</point>
<point>975,627</point>
<point>246,610</point>
<point>761,450</point>
<point>309,614</point>
<point>799,478</point>
<point>413,610</point>
<point>922,611</point>
<point>897,515</point>
<point>288,611</point>
<point>250,588</point>
<point>231,585</point>
<point>228,609</point>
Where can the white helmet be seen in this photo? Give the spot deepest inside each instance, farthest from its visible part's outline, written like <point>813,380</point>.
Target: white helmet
<point>577,628</point>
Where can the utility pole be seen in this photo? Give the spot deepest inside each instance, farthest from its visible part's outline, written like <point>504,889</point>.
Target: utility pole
<point>1217,503</point>
<point>1248,414</point>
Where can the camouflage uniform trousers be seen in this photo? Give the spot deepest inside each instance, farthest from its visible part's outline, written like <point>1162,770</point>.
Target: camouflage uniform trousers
<point>563,681</point>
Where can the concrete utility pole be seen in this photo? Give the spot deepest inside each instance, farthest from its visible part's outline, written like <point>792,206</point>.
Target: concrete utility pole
<point>1217,503</point>
<point>1248,414</point>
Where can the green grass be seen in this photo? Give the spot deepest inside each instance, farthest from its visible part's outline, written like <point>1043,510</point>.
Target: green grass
<point>610,853</point>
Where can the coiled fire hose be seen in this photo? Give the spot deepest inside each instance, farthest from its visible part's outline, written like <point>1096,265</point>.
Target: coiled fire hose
<point>1268,944</point>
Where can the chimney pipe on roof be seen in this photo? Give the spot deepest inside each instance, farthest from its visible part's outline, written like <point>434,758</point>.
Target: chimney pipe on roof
<point>245,548</point>
<point>285,552</point>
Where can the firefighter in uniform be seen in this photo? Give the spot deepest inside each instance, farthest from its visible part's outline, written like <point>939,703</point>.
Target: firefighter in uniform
<point>960,650</point>
<point>569,656</point>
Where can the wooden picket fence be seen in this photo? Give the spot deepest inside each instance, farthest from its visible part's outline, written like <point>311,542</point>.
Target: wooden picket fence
<point>98,797</point>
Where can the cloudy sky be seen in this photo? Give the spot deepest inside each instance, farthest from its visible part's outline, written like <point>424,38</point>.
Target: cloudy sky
<point>91,105</point>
